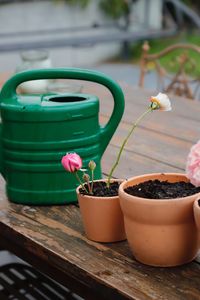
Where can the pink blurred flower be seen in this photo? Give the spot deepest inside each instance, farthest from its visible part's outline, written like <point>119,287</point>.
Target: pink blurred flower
<point>193,164</point>
<point>71,162</point>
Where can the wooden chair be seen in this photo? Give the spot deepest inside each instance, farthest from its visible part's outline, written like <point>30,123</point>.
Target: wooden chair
<point>176,78</point>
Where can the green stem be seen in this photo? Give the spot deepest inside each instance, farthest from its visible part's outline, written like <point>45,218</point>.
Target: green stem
<point>124,143</point>
<point>92,172</point>
<point>89,187</point>
<point>78,178</point>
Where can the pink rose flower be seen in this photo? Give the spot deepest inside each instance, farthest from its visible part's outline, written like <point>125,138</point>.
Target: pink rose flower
<point>193,164</point>
<point>71,162</point>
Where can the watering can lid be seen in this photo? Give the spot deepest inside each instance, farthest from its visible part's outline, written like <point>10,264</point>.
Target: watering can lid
<point>38,108</point>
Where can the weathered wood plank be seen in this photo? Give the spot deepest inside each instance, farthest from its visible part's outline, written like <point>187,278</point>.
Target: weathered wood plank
<point>132,164</point>
<point>182,121</point>
<point>138,99</point>
<point>99,264</point>
<point>167,123</point>
<point>159,147</point>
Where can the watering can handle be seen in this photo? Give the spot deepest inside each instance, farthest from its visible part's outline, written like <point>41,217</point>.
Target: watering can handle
<point>9,92</point>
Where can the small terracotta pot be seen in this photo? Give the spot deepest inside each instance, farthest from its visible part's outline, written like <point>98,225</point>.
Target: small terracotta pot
<point>102,217</point>
<point>196,209</point>
<point>160,232</point>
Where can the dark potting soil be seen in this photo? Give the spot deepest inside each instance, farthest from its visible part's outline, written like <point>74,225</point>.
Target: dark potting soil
<point>101,190</point>
<point>155,189</point>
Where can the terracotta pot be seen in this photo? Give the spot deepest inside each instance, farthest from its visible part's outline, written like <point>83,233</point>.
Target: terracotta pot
<point>196,209</point>
<point>160,232</point>
<point>102,218</point>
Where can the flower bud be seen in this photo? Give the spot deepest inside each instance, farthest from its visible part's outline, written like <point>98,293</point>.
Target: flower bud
<point>86,177</point>
<point>92,165</point>
<point>72,162</point>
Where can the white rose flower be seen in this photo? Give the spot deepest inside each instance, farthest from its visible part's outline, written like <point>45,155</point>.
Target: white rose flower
<point>161,102</point>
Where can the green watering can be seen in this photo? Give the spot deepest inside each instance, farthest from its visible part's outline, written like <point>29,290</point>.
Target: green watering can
<point>37,130</point>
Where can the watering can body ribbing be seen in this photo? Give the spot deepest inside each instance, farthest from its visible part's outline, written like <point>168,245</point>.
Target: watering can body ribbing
<point>37,130</point>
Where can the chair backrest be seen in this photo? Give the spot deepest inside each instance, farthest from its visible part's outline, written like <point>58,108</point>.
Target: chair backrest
<point>181,76</point>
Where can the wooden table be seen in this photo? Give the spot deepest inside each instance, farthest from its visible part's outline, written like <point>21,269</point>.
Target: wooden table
<point>52,238</point>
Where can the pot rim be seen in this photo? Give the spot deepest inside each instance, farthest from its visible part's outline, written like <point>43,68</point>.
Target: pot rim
<point>103,198</point>
<point>130,197</point>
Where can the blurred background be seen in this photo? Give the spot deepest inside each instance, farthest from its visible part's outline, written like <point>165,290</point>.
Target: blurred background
<point>94,33</point>
<point>66,24</point>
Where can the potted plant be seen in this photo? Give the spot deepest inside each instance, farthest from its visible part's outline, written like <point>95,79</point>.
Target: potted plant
<point>99,204</point>
<point>162,231</point>
<point>98,200</point>
<point>102,215</point>
<point>158,214</point>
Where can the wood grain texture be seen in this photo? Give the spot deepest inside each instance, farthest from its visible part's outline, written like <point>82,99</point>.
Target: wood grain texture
<point>182,121</point>
<point>56,236</point>
<point>52,237</point>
